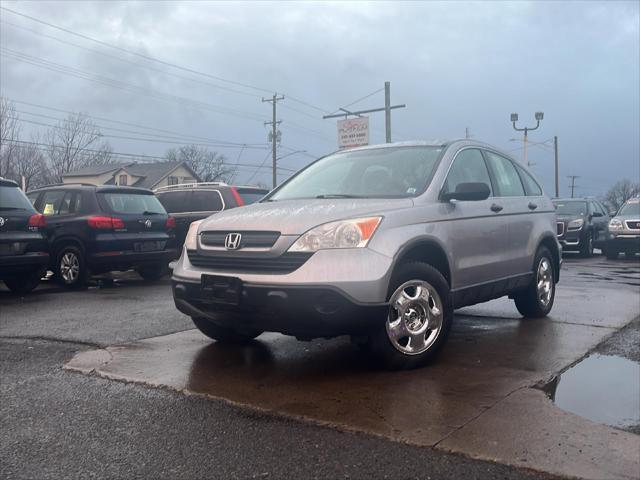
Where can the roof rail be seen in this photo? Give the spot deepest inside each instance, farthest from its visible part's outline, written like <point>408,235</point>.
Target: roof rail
<point>70,183</point>
<point>251,186</point>
<point>190,185</point>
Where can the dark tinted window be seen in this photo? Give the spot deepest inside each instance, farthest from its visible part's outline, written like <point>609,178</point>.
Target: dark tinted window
<point>33,198</point>
<point>507,179</point>
<point>251,196</point>
<point>132,203</point>
<point>174,202</point>
<point>12,198</point>
<point>206,201</point>
<point>66,206</point>
<point>530,185</point>
<point>468,167</point>
<point>51,202</point>
<point>571,207</point>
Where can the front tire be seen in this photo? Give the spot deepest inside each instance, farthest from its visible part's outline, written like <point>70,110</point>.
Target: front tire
<point>418,320</point>
<point>224,334</point>
<point>537,299</point>
<point>23,283</point>
<point>71,268</point>
<point>586,248</point>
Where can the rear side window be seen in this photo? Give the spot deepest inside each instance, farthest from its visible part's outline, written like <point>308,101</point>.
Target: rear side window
<point>507,179</point>
<point>530,185</point>
<point>468,166</point>
<point>51,202</point>
<point>174,202</point>
<point>130,203</point>
<point>12,198</point>
<point>206,201</point>
<point>250,195</point>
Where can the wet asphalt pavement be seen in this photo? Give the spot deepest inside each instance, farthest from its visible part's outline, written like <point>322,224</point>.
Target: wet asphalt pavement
<point>57,423</point>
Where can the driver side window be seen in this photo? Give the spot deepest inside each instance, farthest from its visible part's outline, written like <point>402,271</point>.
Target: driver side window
<point>468,166</point>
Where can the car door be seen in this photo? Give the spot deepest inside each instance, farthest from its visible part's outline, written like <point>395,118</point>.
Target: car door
<point>516,215</point>
<point>476,230</point>
<point>599,221</point>
<point>59,207</point>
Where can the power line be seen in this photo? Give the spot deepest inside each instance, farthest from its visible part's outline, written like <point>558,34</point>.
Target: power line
<point>153,59</point>
<point>47,148</point>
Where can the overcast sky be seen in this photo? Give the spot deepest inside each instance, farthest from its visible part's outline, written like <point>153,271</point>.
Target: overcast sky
<point>454,65</point>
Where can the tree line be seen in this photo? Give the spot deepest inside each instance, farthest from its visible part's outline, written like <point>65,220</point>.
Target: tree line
<point>76,142</point>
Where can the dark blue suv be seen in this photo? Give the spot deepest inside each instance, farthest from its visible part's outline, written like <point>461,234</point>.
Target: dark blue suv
<point>98,229</point>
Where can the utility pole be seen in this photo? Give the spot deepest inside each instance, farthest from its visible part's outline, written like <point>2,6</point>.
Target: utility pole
<point>514,118</point>
<point>387,111</point>
<point>573,183</point>
<point>466,133</point>
<point>557,162</point>
<point>275,134</point>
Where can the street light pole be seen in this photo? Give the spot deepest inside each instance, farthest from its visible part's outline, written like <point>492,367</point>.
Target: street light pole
<point>514,118</point>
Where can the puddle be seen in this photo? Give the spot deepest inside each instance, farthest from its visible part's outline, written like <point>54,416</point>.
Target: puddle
<point>602,388</point>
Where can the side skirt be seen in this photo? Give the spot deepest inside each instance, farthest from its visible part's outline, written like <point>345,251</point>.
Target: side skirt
<point>488,291</point>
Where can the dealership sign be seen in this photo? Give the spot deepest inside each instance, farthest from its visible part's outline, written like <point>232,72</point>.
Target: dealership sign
<point>353,132</point>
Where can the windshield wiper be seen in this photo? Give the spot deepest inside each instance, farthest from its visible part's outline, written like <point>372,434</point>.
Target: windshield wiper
<point>338,195</point>
<point>147,212</point>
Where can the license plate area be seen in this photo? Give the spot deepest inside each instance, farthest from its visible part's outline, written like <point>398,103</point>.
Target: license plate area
<point>150,246</point>
<point>219,289</point>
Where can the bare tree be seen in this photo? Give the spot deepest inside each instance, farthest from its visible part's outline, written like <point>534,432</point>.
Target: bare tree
<point>209,166</point>
<point>9,132</point>
<point>621,192</point>
<point>30,165</point>
<point>74,143</point>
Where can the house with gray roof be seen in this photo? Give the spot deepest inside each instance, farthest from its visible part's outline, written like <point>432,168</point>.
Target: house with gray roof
<point>143,175</point>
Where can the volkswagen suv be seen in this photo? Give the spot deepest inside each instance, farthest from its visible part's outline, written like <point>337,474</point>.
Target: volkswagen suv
<point>381,243</point>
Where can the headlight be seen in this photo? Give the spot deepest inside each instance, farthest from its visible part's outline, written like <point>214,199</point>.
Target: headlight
<point>615,224</point>
<point>575,224</point>
<point>354,233</point>
<point>191,241</point>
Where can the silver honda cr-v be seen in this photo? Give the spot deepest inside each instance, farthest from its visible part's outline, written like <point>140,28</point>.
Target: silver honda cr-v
<point>380,243</point>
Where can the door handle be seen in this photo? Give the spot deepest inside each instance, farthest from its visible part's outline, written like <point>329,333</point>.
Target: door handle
<point>496,208</point>
<point>532,206</point>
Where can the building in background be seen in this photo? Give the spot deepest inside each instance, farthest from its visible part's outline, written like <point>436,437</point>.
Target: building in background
<point>143,175</point>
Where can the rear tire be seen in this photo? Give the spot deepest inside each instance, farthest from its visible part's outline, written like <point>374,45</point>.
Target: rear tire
<point>151,273</point>
<point>586,247</point>
<point>224,334</point>
<point>23,283</point>
<point>418,320</point>
<point>537,299</point>
<point>71,269</point>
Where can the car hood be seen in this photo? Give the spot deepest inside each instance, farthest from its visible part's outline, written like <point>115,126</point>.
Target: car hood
<point>295,217</point>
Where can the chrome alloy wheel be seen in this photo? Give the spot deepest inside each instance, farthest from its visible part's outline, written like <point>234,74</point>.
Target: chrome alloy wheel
<point>544,281</point>
<point>415,317</point>
<point>69,267</point>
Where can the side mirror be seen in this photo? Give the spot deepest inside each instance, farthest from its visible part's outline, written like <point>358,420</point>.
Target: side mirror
<point>597,214</point>
<point>470,191</point>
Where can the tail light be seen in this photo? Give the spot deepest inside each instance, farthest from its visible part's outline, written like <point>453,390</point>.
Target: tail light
<point>105,223</point>
<point>171,223</point>
<point>237,196</point>
<point>37,220</point>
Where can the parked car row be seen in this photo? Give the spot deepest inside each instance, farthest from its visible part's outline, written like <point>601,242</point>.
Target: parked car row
<point>76,230</point>
<point>584,224</point>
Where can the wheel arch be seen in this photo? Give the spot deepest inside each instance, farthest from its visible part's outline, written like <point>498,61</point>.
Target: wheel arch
<point>426,250</point>
<point>60,243</point>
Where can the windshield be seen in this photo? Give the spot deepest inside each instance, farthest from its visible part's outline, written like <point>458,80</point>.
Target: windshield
<point>375,173</point>
<point>133,203</point>
<point>630,209</point>
<point>12,198</point>
<point>571,208</point>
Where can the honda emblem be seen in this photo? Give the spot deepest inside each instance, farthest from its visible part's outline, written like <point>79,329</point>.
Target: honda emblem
<point>232,241</point>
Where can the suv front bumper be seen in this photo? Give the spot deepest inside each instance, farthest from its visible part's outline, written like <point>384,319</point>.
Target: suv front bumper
<point>624,242</point>
<point>304,312</point>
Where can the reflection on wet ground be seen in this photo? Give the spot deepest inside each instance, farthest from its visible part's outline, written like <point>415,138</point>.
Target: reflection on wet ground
<point>602,388</point>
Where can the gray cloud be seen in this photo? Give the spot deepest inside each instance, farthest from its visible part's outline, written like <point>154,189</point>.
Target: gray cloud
<point>455,65</point>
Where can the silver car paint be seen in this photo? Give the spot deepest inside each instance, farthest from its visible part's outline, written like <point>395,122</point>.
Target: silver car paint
<point>481,245</point>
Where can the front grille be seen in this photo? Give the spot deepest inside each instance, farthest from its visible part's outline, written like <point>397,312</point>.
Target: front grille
<point>633,225</point>
<point>248,239</point>
<point>285,263</point>
<point>560,228</point>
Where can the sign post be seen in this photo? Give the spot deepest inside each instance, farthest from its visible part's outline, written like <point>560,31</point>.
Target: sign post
<point>353,132</point>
